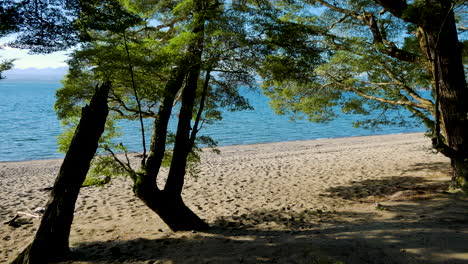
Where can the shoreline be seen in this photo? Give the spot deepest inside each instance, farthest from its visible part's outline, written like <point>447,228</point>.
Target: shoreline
<point>240,145</point>
<point>367,199</point>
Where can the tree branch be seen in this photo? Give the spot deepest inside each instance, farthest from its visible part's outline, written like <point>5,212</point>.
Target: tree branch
<point>404,102</point>
<point>428,104</point>
<point>140,114</point>
<point>128,109</point>
<point>447,151</point>
<point>338,9</point>
<point>426,120</point>
<point>397,8</point>
<point>196,127</point>
<point>127,167</point>
<point>382,44</point>
<point>338,21</point>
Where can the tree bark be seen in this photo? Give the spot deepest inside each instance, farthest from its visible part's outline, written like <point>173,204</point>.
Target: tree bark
<point>158,140</point>
<point>446,55</point>
<point>171,208</point>
<point>182,146</point>
<point>51,240</point>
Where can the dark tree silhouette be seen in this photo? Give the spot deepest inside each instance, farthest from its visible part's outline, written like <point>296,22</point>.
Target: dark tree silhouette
<point>51,239</point>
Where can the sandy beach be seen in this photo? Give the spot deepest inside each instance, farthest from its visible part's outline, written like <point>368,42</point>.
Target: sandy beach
<point>375,199</point>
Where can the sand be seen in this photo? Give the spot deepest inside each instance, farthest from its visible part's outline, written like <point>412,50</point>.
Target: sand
<point>376,199</point>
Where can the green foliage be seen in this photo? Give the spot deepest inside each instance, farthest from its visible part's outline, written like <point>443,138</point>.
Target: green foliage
<point>297,100</point>
<point>92,181</point>
<point>138,54</point>
<point>343,70</point>
<point>10,21</point>
<point>105,166</point>
<point>5,65</point>
<point>103,16</point>
<point>70,124</point>
<point>64,140</point>
<point>183,8</point>
<point>143,8</point>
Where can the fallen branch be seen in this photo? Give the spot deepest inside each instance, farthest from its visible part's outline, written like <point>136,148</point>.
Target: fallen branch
<point>28,214</point>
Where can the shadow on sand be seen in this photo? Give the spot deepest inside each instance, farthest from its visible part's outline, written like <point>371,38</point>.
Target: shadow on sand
<point>431,227</point>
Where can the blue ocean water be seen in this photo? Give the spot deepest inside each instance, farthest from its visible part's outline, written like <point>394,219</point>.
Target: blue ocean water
<point>29,126</point>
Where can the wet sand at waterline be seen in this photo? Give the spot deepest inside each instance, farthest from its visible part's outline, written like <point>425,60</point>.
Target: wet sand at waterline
<point>375,199</point>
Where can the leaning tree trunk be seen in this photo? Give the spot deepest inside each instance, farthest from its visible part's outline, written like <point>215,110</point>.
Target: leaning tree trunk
<point>182,148</point>
<point>51,240</point>
<point>169,207</point>
<point>168,203</point>
<point>446,54</point>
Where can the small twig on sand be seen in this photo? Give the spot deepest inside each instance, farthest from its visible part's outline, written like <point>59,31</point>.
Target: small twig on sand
<point>28,214</point>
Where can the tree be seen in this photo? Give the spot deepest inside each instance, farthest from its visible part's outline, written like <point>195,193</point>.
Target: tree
<point>191,61</point>
<point>54,30</point>
<point>368,66</point>
<point>438,33</point>
<point>51,239</point>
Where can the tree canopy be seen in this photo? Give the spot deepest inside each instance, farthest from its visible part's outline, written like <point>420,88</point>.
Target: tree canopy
<point>369,62</point>
<point>380,56</point>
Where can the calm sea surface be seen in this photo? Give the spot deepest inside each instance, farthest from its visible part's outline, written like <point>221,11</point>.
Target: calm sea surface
<point>29,126</point>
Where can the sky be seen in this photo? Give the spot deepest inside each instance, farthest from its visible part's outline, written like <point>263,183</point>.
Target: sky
<point>25,60</point>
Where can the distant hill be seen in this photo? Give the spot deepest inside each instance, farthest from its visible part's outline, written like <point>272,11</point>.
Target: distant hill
<point>34,74</point>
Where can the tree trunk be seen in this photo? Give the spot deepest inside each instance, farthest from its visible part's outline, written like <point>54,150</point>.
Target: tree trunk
<point>182,146</point>
<point>168,203</point>
<point>51,240</point>
<point>446,53</point>
<point>158,140</point>
<point>171,208</point>
<point>459,174</point>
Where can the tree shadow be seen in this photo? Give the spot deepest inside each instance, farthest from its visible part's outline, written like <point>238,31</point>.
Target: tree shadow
<point>429,166</point>
<point>397,186</point>
<point>409,230</point>
<point>303,237</point>
<point>221,246</point>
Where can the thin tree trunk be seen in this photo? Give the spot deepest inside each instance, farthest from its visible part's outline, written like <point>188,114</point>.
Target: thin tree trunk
<point>146,182</point>
<point>204,94</point>
<point>168,203</point>
<point>182,146</point>
<point>170,208</point>
<point>51,240</point>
